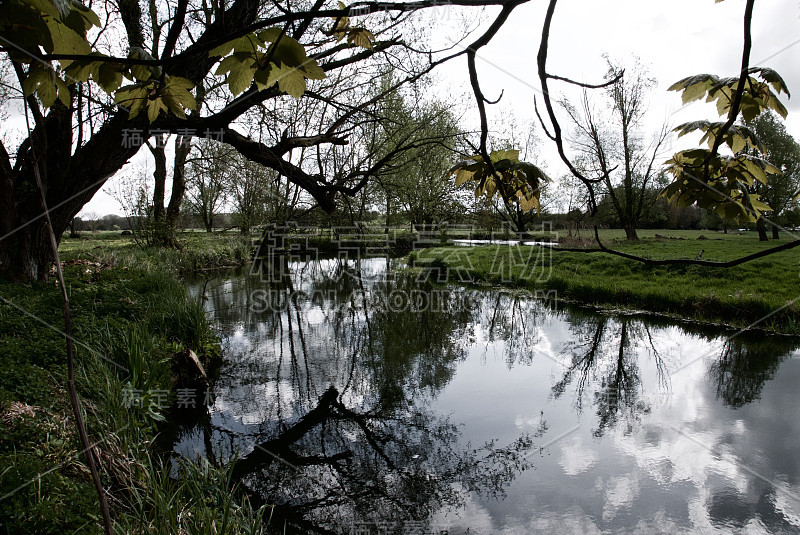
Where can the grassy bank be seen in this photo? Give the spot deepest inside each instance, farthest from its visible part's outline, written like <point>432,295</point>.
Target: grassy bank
<point>198,251</point>
<point>131,315</point>
<point>741,295</point>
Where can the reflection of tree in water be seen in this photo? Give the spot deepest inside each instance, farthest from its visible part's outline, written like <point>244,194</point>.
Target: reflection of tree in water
<point>745,363</point>
<point>337,467</point>
<point>513,317</point>
<point>343,437</point>
<point>605,356</point>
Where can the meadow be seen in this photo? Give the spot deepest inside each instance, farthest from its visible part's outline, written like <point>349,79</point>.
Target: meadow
<point>761,293</point>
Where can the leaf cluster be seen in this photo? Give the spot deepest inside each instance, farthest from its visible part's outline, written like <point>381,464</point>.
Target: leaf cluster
<point>726,184</point>
<point>727,190</point>
<point>39,28</point>
<point>267,57</point>
<point>358,36</point>
<point>758,91</point>
<point>505,175</point>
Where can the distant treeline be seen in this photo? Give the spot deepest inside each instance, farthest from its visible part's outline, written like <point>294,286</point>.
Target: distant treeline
<point>661,215</point>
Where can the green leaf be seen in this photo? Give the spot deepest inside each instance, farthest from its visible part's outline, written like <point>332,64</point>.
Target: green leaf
<point>87,14</point>
<point>173,106</point>
<point>312,70</point>
<point>47,93</point>
<point>246,43</point>
<point>270,35</point>
<point>293,83</point>
<point>177,96</point>
<point>47,86</point>
<point>241,75</point>
<point>63,92</point>
<point>277,72</point>
<point>63,7</point>
<point>759,205</point>
<point>44,6</point>
<point>361,37</point>
<point>82,70</point>
<point>154,107</point>
<point>771,77</point>
<point>498,155</point>
<point>65,40</point>
<point>132,97</point>
<point>463,176</point>
<point>143,72</point>
<point>34,79</point>
<point>737,143</point>
<point>228,63</point>
<point>693,92</point>
<point>109,77</point>
<point>288,51</point>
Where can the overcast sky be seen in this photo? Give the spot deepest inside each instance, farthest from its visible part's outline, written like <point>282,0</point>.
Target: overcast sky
<point>674,39</point>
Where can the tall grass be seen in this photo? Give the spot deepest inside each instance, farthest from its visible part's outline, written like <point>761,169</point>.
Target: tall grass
<point>198,251</point>
<point>182,497</point>
<point>131,314</point>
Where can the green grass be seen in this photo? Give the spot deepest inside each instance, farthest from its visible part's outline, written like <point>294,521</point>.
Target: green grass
<point>739,296</point>
<point>198,251</point>
<point>130,314</point>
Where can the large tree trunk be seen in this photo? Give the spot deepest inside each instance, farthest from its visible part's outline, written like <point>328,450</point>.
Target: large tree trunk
<point>182,148</point>
<point>25,252</point>
<point>762,229</point>
<point>70,180</point>
<point>165,221</point>
<point>160,177</point>
<point>630,233</point>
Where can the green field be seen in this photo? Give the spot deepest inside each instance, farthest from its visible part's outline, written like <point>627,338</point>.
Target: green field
<point>761,291</point>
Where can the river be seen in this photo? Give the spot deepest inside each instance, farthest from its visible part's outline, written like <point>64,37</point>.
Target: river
<point>361,398</point>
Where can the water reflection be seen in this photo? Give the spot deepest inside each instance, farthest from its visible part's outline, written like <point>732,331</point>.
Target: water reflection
<point>745,363</point>
<point>360,395</point>
<point>605,355</point>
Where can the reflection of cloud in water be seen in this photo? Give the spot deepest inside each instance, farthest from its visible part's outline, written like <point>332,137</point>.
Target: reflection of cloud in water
<point>474,518</point>
<point>575,456</point>
<point>618,493</point>
<point>681,462</point>
<point>314,316</point>
<point>712,459</point>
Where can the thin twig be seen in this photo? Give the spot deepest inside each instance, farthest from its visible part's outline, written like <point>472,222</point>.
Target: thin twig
<point>73,394</point>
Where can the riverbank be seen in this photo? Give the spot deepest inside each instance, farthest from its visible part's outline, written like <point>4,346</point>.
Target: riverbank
<point>198,251</point>
<point>759,293</point>
<point>131,317</point>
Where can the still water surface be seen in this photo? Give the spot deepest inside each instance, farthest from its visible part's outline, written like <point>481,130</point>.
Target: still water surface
<point>363,399</point>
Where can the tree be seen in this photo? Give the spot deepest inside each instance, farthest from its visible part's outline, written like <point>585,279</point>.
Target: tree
<point>508,134</point>
<point>165,219</point>
<point>713,180</point>
<point>781,150</point>
<point>248,189</point>
<point>417,181</point>
<point>517,183</point>
<point>207,176</point>
<point>81,114</point>
<point>611,145</point>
